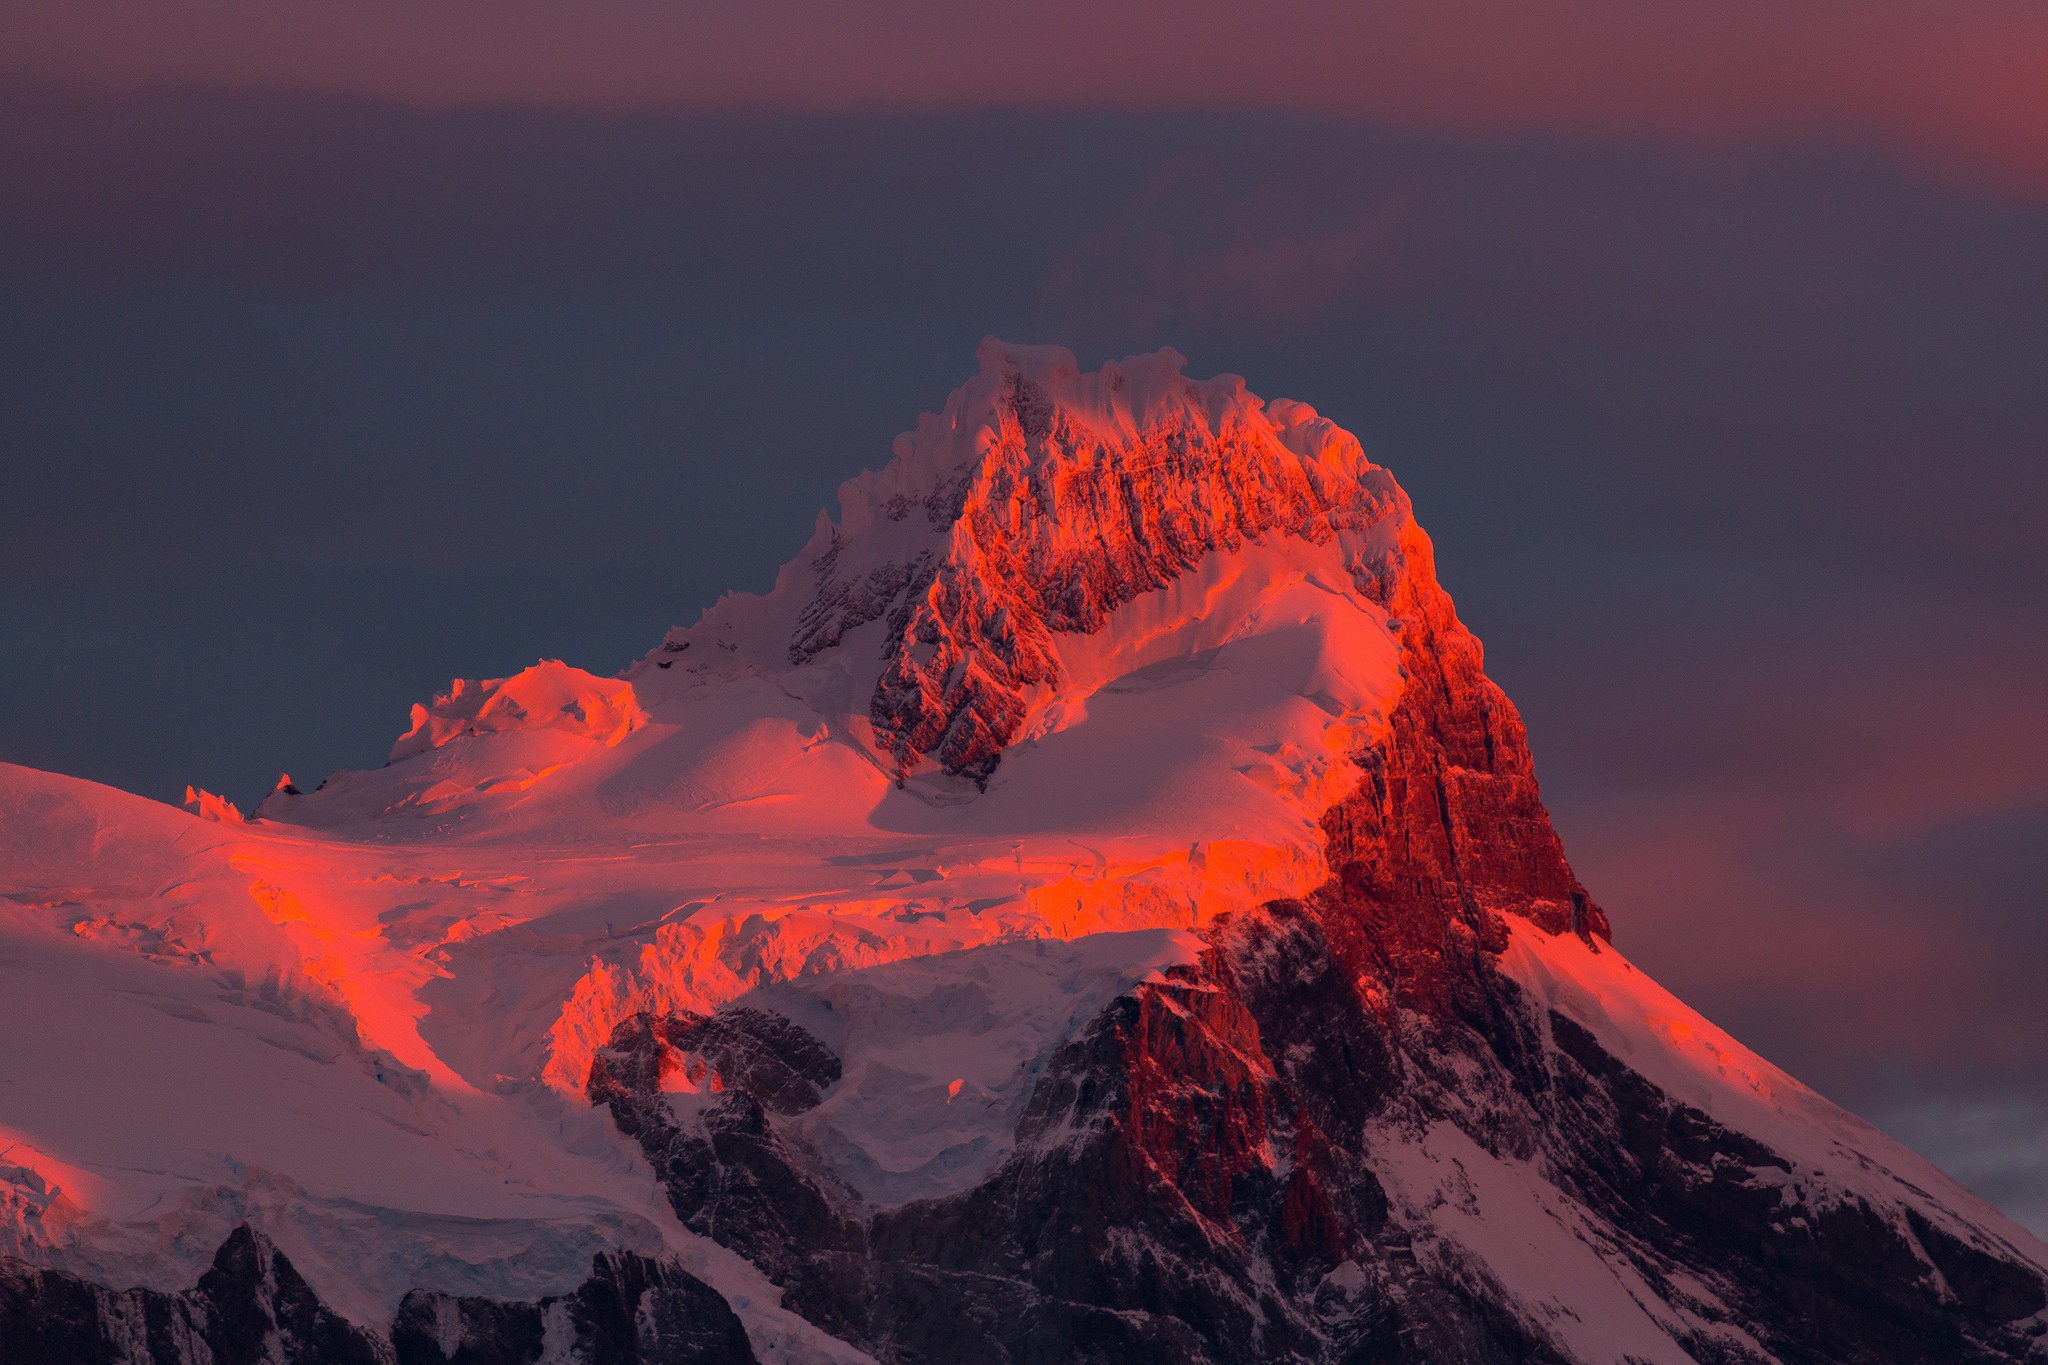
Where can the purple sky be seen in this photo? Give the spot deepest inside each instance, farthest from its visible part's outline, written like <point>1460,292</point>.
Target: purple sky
<point>344,349</point>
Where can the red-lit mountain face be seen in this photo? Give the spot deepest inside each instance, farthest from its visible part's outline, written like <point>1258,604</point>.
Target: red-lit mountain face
<point>1094,908</point>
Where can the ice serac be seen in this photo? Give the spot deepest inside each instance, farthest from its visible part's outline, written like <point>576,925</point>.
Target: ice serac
<point>1095,908</point>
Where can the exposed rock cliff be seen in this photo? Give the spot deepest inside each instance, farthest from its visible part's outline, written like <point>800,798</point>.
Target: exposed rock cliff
<point>1037,503</point>
<point>1095,908</point>
<point>1222,1165</point>
<point>252,1308</point>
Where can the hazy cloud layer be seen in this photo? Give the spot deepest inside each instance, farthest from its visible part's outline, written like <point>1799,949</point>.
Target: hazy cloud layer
<point>1956,82</point>
<point>1733,457</point>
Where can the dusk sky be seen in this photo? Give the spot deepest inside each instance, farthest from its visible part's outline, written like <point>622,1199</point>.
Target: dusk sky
<point>348,349</point>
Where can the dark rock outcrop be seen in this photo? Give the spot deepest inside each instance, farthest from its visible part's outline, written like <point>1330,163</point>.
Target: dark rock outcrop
<point>1053,524</point>
<point>631,1311</point>
<point>253,1308</point>
<point>763,1054</point>
<point>1197,1175</point>
<point>731,1175</point>
<point>249,1308</point>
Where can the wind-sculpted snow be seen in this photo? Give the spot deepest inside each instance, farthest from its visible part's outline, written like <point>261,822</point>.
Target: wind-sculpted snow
<point>1058,498</point>
<point>550,695</point>
<point>1094,908</point>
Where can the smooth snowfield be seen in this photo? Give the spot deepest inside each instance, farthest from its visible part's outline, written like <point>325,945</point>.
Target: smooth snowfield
<point>362,1018</point>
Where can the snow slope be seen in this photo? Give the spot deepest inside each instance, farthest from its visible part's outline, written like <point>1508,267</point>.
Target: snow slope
<point>1077,674</point>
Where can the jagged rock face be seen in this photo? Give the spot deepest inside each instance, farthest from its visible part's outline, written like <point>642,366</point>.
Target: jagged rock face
<point>730,1175</point>
<point>1195,1180</point>
<point>1812,1283</point>
<point>1065,510</point>
<point>250,1308</point>
<point>631,1311</point>
<point>1275,1146</point>
<point>1447,831</point>
<point>1199,1173</point>
<point>253,1308</point>
<point>748,1050</point>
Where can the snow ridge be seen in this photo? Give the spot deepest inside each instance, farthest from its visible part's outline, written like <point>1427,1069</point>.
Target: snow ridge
<point>1056,497</point>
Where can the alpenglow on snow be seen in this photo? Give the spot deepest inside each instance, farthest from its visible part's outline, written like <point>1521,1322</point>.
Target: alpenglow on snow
<point>1095,908</point>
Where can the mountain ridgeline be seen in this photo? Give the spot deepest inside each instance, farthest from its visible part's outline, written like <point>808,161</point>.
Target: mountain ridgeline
<point>1095,909</point>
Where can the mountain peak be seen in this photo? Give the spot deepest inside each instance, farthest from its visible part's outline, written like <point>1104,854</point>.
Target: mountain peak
<point>1040,499</point>
<point>1251,1010</point>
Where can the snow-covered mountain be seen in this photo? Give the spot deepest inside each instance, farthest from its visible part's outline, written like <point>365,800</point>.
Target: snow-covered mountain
<point>1095,908</point>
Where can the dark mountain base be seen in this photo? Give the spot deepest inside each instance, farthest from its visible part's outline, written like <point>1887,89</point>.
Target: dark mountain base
<point>252,1308</point>
<point>1194,1182</point>
<point>1194,1179</point>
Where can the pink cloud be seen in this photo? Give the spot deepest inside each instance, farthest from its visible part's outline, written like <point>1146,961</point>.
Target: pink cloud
<point>1957,83</point>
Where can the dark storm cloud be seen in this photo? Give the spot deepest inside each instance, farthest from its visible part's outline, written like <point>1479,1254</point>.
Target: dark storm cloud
<point>1734,459</point>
